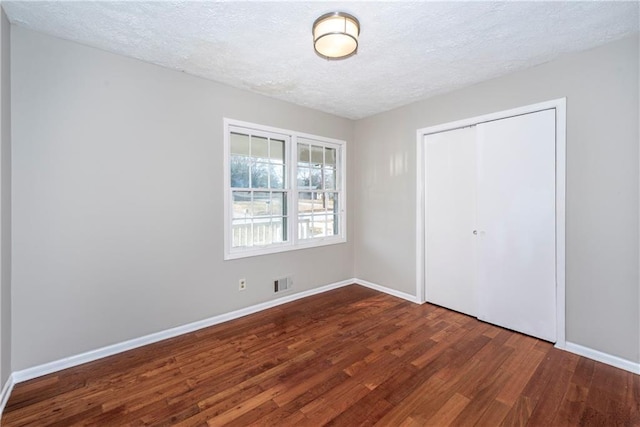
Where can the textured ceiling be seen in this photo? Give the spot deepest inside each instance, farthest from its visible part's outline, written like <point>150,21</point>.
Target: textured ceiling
<point>408,50</point>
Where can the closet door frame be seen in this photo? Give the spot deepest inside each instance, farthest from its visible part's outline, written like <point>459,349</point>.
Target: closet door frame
<point>559,105</point>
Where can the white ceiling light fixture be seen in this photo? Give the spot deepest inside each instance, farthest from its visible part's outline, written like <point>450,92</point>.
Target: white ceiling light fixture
<point>335,35</point>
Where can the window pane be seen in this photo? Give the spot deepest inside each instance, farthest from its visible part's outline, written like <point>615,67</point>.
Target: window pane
<point>240,171</point>
<point>316,179</point>
<point>304,180</point>
<point>277,151</point>
<point>241,233</point>
<point>277,230</point>
<point>324,224</point>
<point>305,202</point>
<point>330,156</point>
<point>261,203</point>
<point>331,222</point>
<point>239,144</point>
<point>276,179</point>
<point>320,205</point>
<point>278,203</point>
<point>329,179</point>
<point>259,175</point>
<point>241,204</point>
<point>304,227</point>
<point>318,225</point>
<point>303,154</point>
<point>259,147</point>
<point>261,232</point>
<point>316,155</point>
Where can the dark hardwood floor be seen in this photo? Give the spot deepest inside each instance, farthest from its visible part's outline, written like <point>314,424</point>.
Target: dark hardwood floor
<point>348,357</point>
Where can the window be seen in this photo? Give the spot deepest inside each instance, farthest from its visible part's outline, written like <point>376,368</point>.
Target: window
<point>318,198</point>
<point>283,190</point>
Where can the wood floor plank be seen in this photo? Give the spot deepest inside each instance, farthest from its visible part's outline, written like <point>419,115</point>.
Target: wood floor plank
<point>411,402</point>
<point>372,406</point>
<point>482,398</point>
<point>449,411</point>
<point>494,415</point>
<point>348,357</point>
<point>550,400</point>
<point>519,413</point>
<point>572,406</point>
<point>522,372</point>
<point>334,402</point>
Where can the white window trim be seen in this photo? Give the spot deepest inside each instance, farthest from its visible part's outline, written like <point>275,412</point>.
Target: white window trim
<point>291,144</point>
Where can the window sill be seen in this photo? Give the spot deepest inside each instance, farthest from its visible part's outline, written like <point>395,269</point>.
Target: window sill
<point>267,250</point>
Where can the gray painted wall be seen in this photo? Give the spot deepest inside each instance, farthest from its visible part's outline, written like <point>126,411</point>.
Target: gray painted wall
<point>5,199</point>
<point>118,200</point>
<point>602,256</point>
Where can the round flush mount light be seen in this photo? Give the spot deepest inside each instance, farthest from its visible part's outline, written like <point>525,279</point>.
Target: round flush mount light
<point>335,35</point>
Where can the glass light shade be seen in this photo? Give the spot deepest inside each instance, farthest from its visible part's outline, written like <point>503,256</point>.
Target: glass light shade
<point>335,35</point>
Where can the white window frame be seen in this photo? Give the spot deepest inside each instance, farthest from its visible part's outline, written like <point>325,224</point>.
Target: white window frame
<point>291,150</point>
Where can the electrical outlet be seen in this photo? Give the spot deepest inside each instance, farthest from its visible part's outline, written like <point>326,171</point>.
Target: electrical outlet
<point>242,284</point>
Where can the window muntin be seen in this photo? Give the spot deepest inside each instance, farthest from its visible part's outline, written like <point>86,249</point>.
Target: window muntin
<point>284,190</point>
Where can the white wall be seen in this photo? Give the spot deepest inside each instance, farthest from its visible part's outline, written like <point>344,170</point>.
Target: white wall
<point>602,256</point>
<point>5,200</point>
<point>118,200</point>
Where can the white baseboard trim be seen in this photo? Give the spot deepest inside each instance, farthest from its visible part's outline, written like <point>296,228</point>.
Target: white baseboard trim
<point>90,356</point>
<point>389,291</point>
<point>599,356</point>
<point>7,388</point>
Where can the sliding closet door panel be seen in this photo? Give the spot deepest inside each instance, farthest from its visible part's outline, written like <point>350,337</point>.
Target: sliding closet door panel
<point>516,286</point>
<point>450,159</point>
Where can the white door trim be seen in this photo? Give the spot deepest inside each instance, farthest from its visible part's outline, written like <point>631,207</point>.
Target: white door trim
<point>560,105</point>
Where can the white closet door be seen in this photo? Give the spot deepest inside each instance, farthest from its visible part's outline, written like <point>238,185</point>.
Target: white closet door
<point>450,165</point>
<point>516,286</point>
